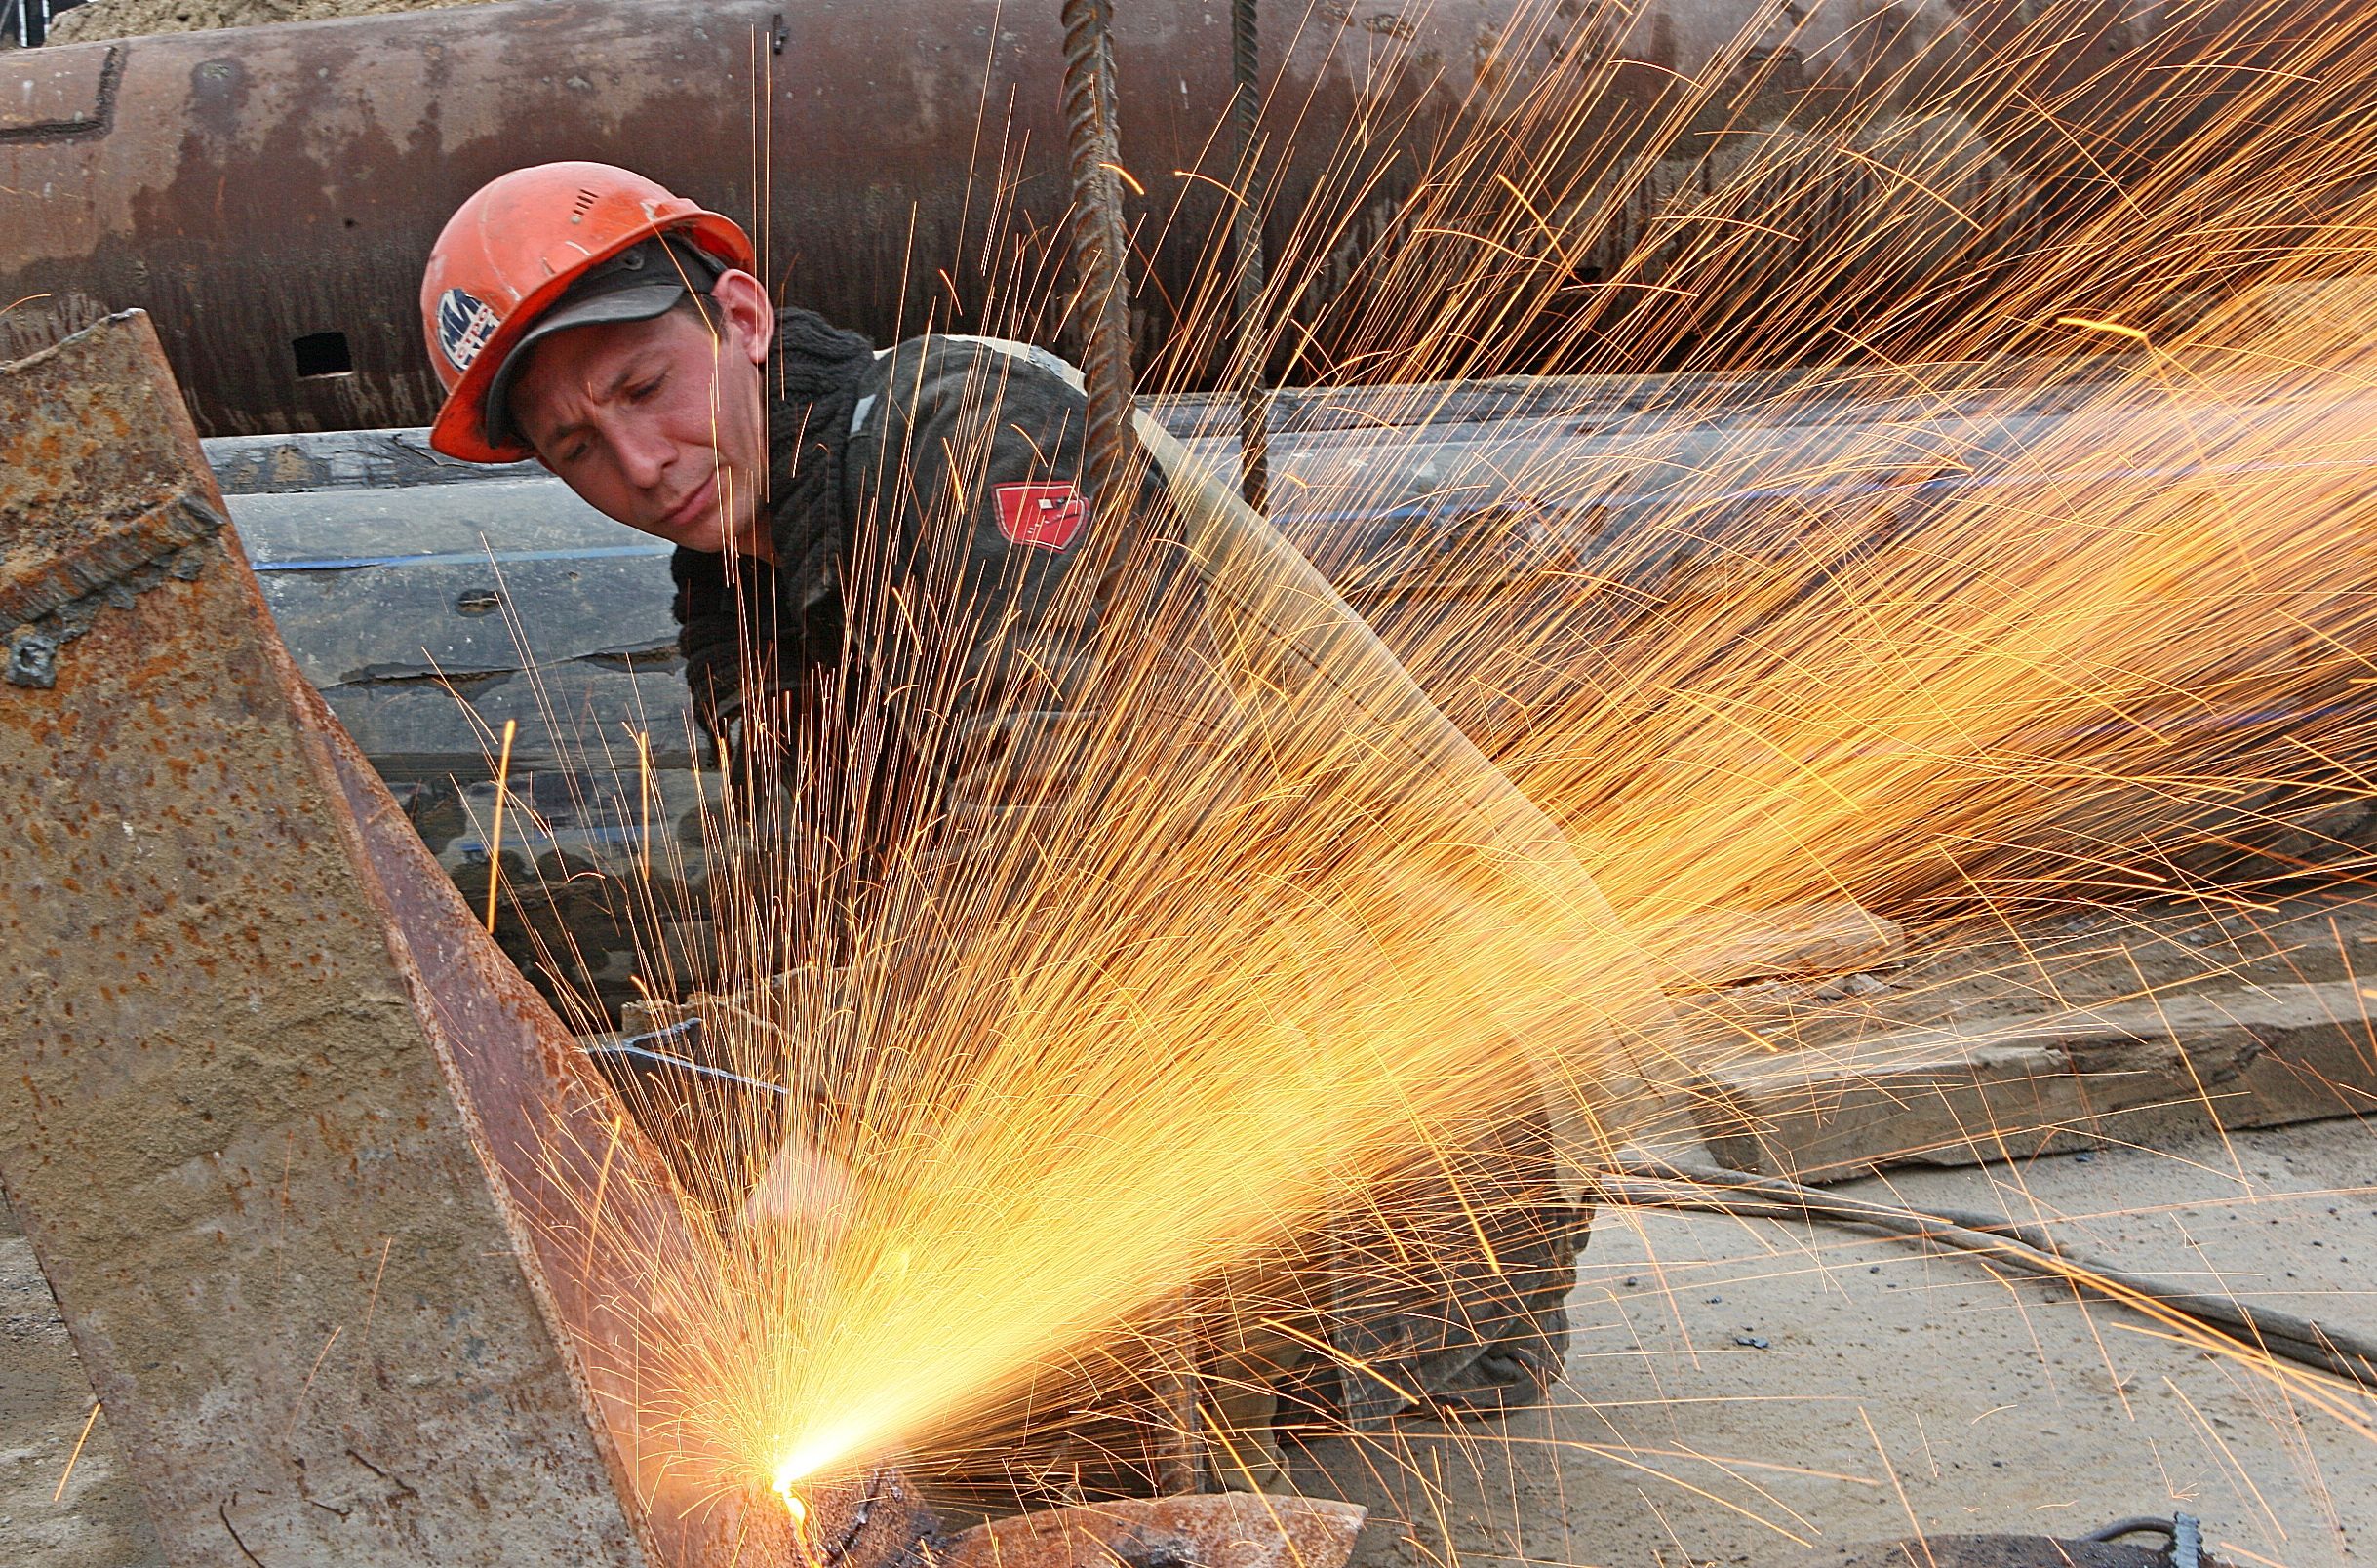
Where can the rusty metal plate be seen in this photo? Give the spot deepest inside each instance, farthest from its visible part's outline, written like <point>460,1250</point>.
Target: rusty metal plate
<point>96,481</point>
<point>1228,1530</point>
<point>274,1113</point>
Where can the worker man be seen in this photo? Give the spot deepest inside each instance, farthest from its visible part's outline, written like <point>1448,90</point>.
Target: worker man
<point>583,315</point>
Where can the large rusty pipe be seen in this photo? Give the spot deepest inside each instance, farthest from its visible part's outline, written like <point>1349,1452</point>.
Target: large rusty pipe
<point>267,194</point>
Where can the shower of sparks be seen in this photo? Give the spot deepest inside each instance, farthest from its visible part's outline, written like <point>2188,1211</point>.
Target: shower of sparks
<point>1973,559</point>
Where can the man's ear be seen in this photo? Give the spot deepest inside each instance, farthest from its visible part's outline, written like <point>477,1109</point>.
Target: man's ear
<point>742,299</point>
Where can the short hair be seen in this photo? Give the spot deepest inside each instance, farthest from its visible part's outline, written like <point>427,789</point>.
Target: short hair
<point>696,304</point>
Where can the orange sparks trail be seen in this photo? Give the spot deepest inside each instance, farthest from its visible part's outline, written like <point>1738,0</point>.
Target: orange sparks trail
<point>495,837</point>
<point>1954,567</point>
<point>75,1457</point>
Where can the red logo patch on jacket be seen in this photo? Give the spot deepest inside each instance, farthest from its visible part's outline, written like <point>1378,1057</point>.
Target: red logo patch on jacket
<point>1044,516</point>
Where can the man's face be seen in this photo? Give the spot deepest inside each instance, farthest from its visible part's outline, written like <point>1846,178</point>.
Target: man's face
<point>660,423</point>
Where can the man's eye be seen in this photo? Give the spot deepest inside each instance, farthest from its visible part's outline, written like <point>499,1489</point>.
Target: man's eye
<point>639,393</point>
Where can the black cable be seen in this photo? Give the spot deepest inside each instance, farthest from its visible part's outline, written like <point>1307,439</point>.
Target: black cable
<point>2184,1531</point>
<point>1660,1184</point>
<point>1795,1196</point>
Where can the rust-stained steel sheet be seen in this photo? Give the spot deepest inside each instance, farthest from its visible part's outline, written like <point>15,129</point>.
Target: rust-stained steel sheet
<point>1230,1530</point>
<point>303,1158</point>
<point>61,93</point>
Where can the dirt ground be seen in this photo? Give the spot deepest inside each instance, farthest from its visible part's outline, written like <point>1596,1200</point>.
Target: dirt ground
<point>131,18</point>
<point>1739,1386</point>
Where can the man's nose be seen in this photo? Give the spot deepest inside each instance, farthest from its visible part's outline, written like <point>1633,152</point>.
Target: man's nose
<point>645,454</point>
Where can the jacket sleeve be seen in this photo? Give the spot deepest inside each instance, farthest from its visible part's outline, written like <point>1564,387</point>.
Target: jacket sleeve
<point>1004,606</point>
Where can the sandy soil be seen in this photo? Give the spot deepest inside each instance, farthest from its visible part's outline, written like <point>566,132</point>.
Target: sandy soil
<point>130,19</point>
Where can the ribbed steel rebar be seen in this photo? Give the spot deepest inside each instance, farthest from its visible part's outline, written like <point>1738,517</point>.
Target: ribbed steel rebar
<point>1246,238</point>
<point>1103,302</point>
<point>1113,464</point>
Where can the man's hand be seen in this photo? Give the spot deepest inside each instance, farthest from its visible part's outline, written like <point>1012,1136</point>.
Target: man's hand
<point>803,1188</point>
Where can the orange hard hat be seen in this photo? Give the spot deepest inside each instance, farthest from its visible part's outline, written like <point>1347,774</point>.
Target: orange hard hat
<point>512,252</point>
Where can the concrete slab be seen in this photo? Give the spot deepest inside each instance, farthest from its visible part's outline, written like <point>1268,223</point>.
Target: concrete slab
<point>1958,1094</point>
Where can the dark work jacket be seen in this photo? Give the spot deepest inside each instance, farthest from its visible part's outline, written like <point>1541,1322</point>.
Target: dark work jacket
<point>926,509</point>
<point>917,506</point>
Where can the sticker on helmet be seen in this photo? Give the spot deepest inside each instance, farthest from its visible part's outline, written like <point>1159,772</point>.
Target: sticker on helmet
<point>463,327</point>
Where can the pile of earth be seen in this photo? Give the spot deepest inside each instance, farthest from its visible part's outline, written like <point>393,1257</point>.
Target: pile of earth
<point>131,18</point>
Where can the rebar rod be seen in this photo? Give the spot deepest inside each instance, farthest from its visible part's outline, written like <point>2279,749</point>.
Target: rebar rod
<point>1247,240</point>
<point>1113,466</point>
<point>1104,301</point>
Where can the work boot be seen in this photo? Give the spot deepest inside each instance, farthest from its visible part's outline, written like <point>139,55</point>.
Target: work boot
<point>1515,1374</point>
<point>1523,1321</point>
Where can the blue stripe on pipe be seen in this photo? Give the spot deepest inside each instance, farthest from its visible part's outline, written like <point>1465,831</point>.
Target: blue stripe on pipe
<point>466,557</point>
<point>1424,510</point>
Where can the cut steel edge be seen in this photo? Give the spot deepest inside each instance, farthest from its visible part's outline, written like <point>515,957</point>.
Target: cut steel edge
<point>468,994</point>
<point>1210,1530</point>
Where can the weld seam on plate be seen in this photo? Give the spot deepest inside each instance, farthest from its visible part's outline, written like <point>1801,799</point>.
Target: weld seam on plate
<point>108,559</point>
<point>56,603</point>
<point>102,114</point>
